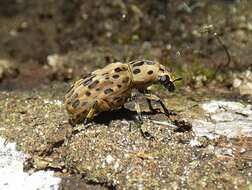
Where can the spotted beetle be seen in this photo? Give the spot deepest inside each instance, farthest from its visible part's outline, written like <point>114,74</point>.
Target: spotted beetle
<point>110,87</point>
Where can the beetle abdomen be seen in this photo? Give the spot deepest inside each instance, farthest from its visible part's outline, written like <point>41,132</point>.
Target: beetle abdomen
<point>107,88</point>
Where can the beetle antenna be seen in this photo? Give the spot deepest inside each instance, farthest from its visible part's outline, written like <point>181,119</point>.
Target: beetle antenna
<point>177,79</point>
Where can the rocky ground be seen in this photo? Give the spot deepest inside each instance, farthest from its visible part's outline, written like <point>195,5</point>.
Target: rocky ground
<point>46,45</point>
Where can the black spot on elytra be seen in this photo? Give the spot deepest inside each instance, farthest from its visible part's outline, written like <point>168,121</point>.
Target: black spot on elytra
<point>136,71</point>
<point>125,80</point>
<point>88,93</point>
<point>93,84</point>
<point>115,76</point>
<point>150,72</point>
<point>161,69</point>
<point>118,69</point>
<point>108,91</point>
<point>97,89</point>
<point>140,63</point>
<point>151,62</point>
<point>105,74</point>
<point>88,80</point>
<point>119,86</point>
<point>107,78</point>
<point>76,104</point>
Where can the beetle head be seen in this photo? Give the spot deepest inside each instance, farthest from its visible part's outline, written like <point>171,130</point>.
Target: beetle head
<point>167,83</point>
<point>165,79</point>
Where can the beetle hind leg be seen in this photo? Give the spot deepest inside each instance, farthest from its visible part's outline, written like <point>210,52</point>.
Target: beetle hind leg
<point>90,114</point>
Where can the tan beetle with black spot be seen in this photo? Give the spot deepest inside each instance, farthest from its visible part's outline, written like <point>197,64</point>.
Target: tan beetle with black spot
<point>109,88</point>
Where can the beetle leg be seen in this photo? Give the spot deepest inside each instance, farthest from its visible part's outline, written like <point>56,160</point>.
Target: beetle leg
<point>90,114</point>
<point>154,110</point>
<point>139,115</point>
<point>152,97</point>
<point>149,97</point>
<point>137,107</point>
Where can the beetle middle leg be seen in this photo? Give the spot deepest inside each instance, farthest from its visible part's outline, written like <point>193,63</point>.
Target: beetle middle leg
<point>151,97</point>
<point>154,110</point>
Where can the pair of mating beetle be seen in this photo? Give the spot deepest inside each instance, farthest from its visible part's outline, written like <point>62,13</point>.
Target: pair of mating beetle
<point>109,88</point>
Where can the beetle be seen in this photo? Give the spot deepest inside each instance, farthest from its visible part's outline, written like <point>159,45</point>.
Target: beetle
<point>110,87</point>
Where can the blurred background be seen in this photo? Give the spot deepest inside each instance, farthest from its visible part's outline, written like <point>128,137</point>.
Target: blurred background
<point>45,45</point>
<point>203,41</point>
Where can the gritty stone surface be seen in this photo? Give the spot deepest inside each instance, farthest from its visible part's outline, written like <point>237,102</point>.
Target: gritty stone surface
<point>116,152</point>
<point>231,119</point>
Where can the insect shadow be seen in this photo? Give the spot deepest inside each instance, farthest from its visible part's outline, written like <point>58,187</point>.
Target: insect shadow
<point>119,114</point>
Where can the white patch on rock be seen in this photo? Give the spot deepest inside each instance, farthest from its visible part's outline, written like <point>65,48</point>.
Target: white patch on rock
<point>194,142</point>
<point>12,176</point>
<point>116,165</point>
<point>223,151</point>
<point>231,119</point>
<point>204,128</point>
<point>219,106</point>
<point>226,116</point>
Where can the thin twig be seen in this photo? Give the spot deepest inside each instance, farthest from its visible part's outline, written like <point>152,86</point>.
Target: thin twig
<point>218,38</point>
<point>164,123</point>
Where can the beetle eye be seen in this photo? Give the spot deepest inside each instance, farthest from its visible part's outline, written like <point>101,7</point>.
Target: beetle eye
<point>163,78</point>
